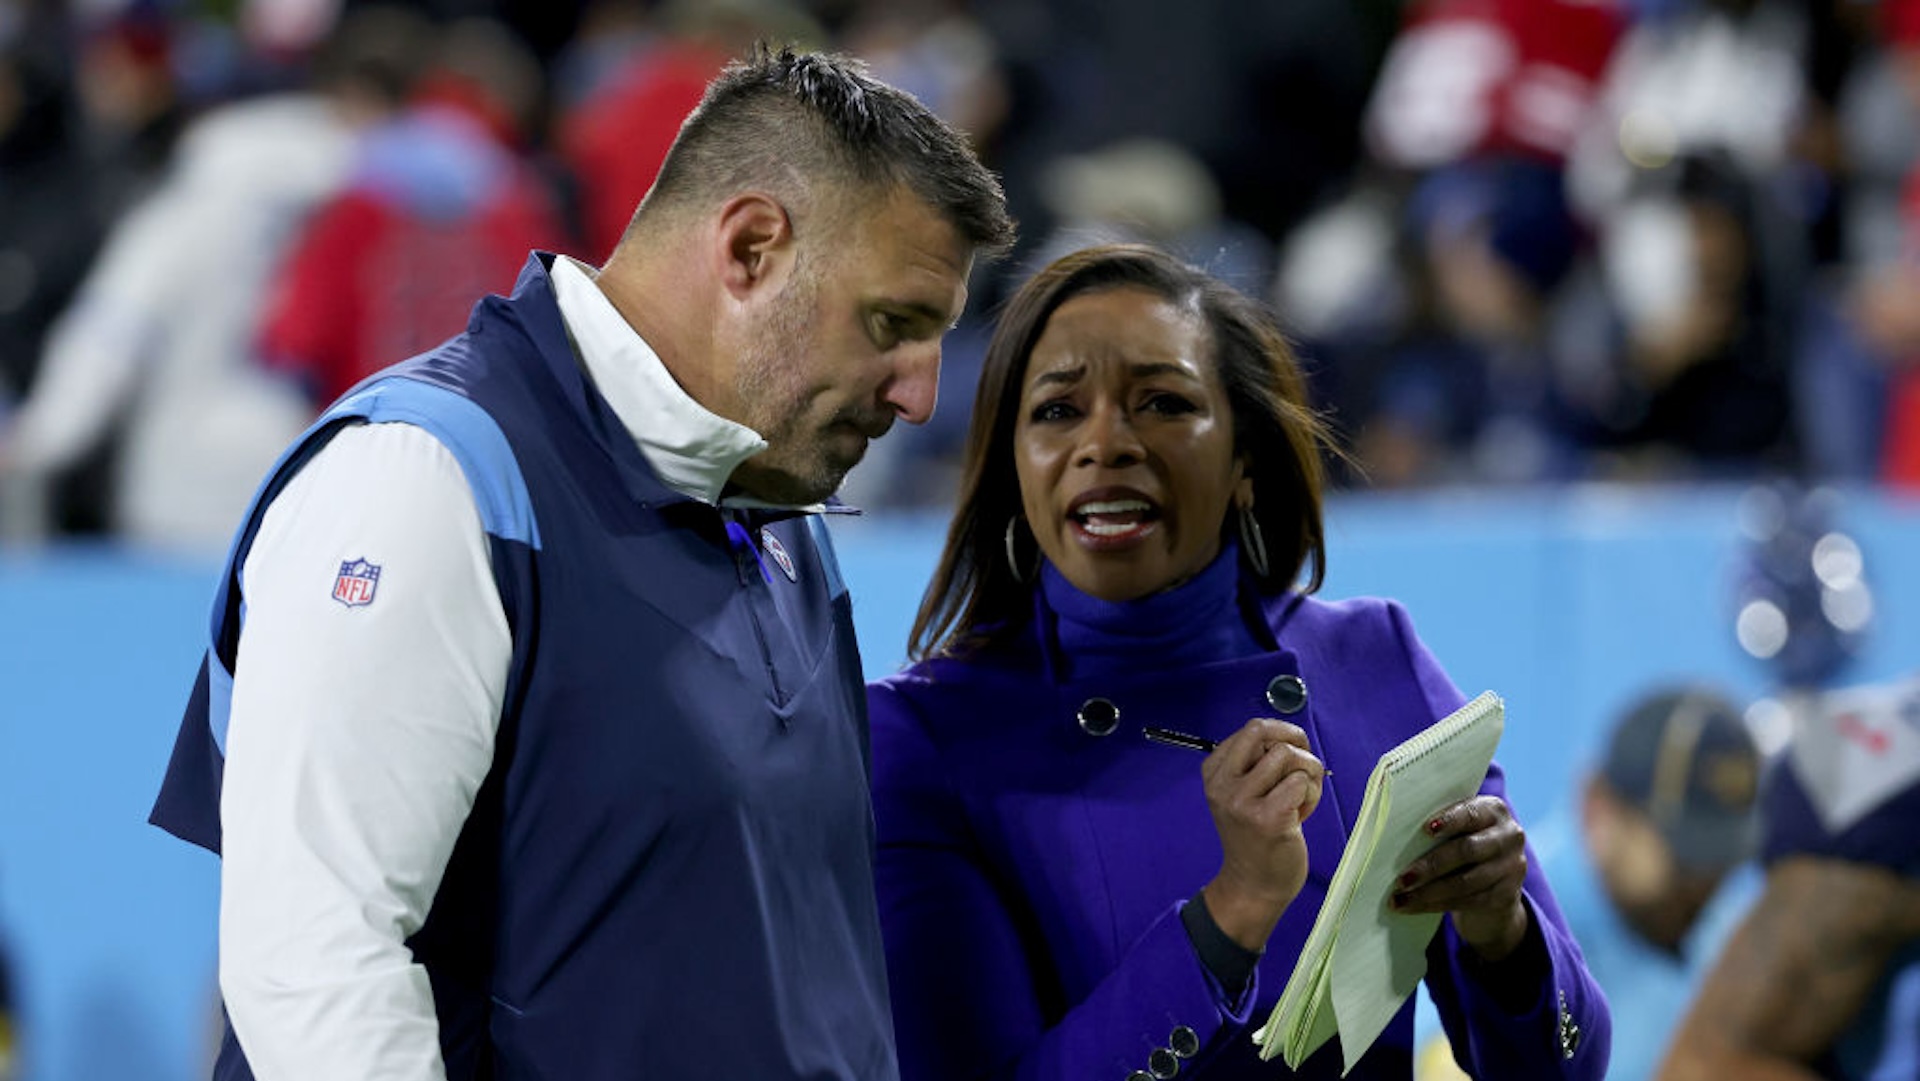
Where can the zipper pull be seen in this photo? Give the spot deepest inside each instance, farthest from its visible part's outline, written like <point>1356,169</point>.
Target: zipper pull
<point>743,542</point>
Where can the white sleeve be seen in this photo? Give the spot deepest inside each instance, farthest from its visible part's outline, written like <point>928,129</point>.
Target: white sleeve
<point>358,738</point>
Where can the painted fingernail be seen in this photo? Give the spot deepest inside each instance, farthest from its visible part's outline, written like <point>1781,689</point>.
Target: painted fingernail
<point>1399,900</point>
<point>1407,880</point>
<point>1433,826</point>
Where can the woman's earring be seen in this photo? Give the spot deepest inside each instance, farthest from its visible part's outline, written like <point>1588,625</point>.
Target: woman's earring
<point>1013,559</point>
<point>1252,543</point>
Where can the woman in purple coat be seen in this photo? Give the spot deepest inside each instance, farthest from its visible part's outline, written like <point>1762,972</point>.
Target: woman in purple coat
<point>1062,899</point>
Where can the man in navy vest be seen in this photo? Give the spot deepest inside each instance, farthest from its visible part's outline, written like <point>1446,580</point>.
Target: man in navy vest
<point>531,729</point>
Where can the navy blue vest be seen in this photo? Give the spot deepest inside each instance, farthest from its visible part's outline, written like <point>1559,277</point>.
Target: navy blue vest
<point>668,872</point>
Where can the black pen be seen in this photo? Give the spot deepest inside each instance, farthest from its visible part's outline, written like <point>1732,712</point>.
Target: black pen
<point>1199,743</point>
<point>1179,739</point>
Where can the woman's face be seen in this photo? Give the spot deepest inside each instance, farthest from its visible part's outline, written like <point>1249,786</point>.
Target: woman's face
<point>1124,444</point>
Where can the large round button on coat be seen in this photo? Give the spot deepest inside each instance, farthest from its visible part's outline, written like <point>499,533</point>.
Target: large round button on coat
<point>1288,694</point>
<point>1139,1075</point>
<point>1163,1064</point>
<point>1098,717</point>
<point>1184,1042</point>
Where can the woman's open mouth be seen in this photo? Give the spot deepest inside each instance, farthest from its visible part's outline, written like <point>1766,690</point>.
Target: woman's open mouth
<point>1111,523</point>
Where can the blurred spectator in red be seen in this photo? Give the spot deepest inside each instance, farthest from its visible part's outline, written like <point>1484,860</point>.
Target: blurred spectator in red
<point>443,205</point>
<point>1479,78</point>
<point>615,137</point>
<point>152,362</point>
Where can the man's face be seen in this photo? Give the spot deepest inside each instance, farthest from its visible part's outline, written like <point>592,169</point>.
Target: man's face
<point>1649,889</point>
<point>850,343</point>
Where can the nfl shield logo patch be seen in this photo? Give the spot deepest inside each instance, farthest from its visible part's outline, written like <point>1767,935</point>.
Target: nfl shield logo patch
<point>771,544</point>
<point>356,582</point>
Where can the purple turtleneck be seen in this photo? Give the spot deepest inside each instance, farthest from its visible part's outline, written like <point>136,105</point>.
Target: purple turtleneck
<point>1196,622</point>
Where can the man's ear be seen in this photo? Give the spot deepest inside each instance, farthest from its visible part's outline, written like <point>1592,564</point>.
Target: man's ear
<point>753,243</point>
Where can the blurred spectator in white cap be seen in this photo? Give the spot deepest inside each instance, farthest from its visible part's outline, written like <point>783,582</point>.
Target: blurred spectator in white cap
<point>1668,824</point>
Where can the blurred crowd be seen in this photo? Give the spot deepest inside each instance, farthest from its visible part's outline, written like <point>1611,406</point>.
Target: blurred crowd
<point>1516,241</point>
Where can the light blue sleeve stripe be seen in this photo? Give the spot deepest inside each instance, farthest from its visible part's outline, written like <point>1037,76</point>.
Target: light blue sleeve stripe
<point>219,700</point>
<point>475,439</point>
<point>823,541</point>
<point>297,451</point>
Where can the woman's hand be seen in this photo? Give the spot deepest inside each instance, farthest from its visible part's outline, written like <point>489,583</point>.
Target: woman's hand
<point>1262,783</point>
<point>1475,873</point>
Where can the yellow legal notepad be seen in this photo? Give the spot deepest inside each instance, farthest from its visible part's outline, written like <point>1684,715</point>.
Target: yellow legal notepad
<point>1362,959</point>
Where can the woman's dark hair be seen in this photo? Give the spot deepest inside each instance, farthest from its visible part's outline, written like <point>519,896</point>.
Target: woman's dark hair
<point>974,598</point>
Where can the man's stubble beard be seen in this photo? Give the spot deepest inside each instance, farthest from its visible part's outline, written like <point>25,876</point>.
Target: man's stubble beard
<point>796,469</point>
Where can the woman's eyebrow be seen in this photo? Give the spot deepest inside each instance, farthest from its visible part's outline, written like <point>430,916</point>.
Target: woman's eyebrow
<point>1063,376</point>
<point>1161,367</point>
<point>1068,376</point>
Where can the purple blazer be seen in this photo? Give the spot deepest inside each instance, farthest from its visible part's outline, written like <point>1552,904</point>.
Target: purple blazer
<point>1031,874</point>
